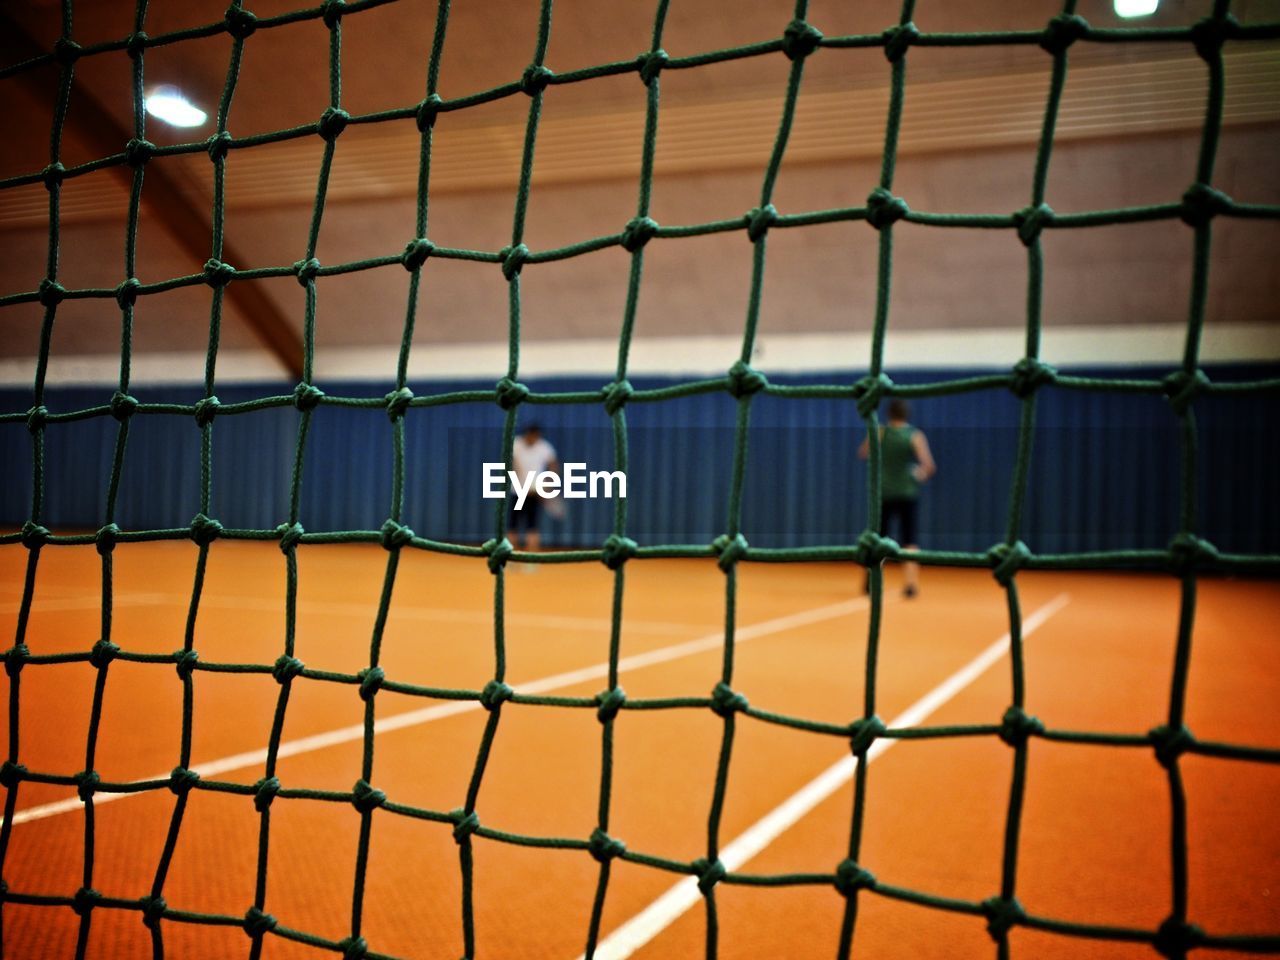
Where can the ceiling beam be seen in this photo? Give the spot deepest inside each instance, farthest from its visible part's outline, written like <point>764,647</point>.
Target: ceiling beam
<point>165,196</point>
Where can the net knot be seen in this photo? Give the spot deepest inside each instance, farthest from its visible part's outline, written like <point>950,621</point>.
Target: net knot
<point>616,396</point>
<point>850,878</point>
<point>123,406</point>
<point>464,824</point>
<point>240,22</point>
<point>1062,31</point>
<point>182,780</point>
<point>306,270</point>
<point>868,392</point>
<point>1029,375</point>
<point>873,549</point>
<point>11,774</point>
<point>366,797</point>
<point>745,380</point>
<point>103,652</point>
<point>535,78</point>
<point>37,417</point>
<point>66,51</point>
<point>1208,35</point>
<point>883,208</point>
<point>897,39</point>
<point>428,112</point>
<point>34,536</point>
<point>603,847</point>
<point>218,274</point>
<point>1017,727</point>
<point>495,694</point>
<point>257,923</point>
<point>800,39</point>
<point>1175,938</point>
<point>206,409</point>
<point>286,668</point>
<point>218,145</point>
<point>416,252</point>
<point>708,872</point>
<point>127,292</point>
<point>610,702</point>
<point>153,909</point>
<point>1170,743</point>
<point>638,232</point>
<point>1188,552</point>
<point>371,682</point>
<point>398,402</point>
<point>84,900</point>
<point>105,539</point>
<point>184,661</point>
<point>204,529</point>
<point>1201,203</point>
<point>354,948</point>
<point>53,175</point>
<point>87,782</point>
<point>650,65</point>
<point>725,701</point>
<point>136,44</point>
<point>395,535</point>
<point>863,732</point>
<point>617,550</point>
<point>307,396</point>
<point>759,220</point>
<point>729,549</point>
<point>138,151</point>
<point>1002,915</point>
<point>16,658</point>
<point>332,11</point>
<point>51,292</point>
<point>331,123</point>
<point>1029,221</point>
<point>1006,559</point>
<point>1181,388</point>
<point>264,792</point>
<point>510,393</point>
<point>498,552</point>
<point>290,536</point>
<point>513,259</point>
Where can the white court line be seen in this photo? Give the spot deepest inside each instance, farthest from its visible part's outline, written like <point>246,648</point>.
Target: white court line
<point>662,912</point>
<point>413,718</point>
<point>336,608</point>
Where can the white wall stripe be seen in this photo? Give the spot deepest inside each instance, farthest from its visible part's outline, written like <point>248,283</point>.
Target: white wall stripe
<point>1129,344</point>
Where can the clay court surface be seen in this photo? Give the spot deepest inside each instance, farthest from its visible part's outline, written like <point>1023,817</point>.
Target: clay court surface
<point>1095,837</point>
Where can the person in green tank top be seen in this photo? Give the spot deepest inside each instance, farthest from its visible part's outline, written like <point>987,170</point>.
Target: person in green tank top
<point>906,463</point>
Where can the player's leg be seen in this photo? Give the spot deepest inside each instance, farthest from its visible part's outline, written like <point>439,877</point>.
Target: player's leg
<point>532,511</point>
<point>910,569</point>
<point>515,522</point>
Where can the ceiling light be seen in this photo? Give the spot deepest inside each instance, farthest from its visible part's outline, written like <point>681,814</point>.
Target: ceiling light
<point>168,104</point>
<point>1136,8</point>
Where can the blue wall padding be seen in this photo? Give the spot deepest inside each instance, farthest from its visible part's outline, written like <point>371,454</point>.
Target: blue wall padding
<point>1105,474</point>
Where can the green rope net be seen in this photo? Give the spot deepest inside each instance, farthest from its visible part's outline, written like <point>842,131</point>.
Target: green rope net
<point>1186,556</point>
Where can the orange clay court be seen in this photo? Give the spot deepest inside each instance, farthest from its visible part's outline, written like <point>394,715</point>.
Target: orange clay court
<point>1094,844</point>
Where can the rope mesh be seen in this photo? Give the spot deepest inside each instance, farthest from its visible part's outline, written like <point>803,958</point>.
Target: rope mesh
<point>1185,558</point>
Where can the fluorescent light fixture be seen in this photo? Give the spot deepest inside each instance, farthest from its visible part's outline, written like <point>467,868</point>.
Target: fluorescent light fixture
<point>168,104</point>
<point>1136,8</point>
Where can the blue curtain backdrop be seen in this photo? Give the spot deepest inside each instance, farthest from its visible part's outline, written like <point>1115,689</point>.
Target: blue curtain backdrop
<point>1105,473</point>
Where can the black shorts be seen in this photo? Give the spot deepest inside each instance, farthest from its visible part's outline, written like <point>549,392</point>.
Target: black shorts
<point>899,518</point>
<point>526,518</point>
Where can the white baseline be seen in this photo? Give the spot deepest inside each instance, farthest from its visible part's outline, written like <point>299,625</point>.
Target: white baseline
<point>413,718</point>
<point>660,914</point>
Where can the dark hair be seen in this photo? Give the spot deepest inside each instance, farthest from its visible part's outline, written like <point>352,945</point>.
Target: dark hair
<point>531,428</point>
<point>899,409</point>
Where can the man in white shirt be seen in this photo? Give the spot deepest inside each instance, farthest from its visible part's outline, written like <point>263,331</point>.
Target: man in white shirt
<point>530,454</point>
